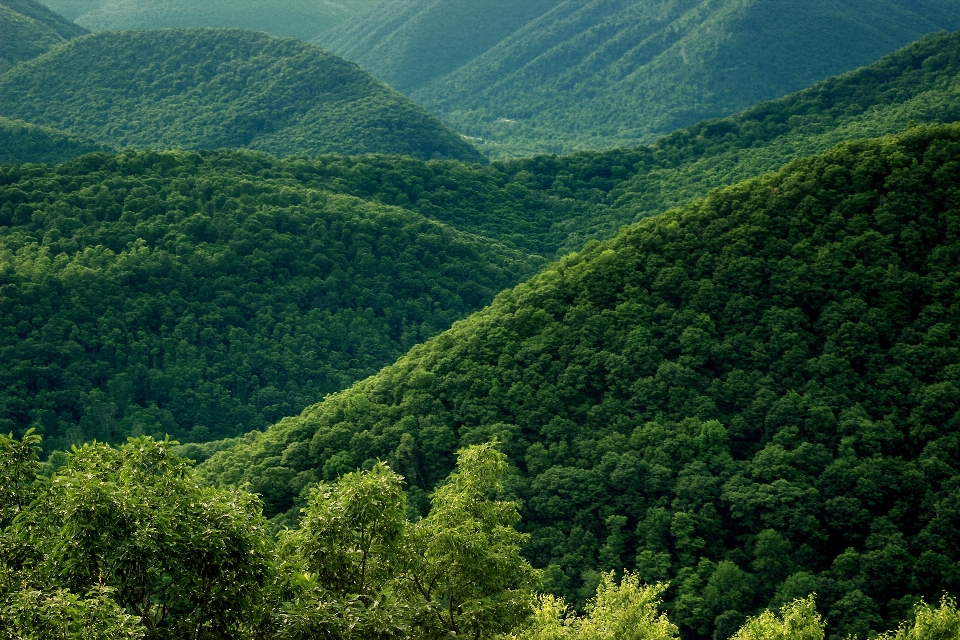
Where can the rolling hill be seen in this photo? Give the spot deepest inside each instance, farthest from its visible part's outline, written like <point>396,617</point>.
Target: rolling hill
<point>23,142</point>
<point>201,295</point>
<point>29,29</point>
<point>753,396</point>
<point>552,205</point>
<point>205,88</point>
<point>606,73</point>
<point>302,19</point>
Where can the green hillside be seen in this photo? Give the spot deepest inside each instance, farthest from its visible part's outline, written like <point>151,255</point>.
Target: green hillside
<point>606,73</point>
<point>302,19</point>
<point>199,296</point>
<point>29,29</point>
<point>753,396</point>
<point>23,142</point>
<point>408,44</point>
<point>205,88</point>
<point>552,205</point>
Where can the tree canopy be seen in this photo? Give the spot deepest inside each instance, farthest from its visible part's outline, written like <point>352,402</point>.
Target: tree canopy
<point>561,76</point>
<point>201,296</point>
<point>212,88</point>
<point>752,397</point>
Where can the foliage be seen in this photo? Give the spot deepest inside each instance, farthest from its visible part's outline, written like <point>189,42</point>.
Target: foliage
<point>628,611</point>
<point>550,76</point>
<point>360,569</point>
<point>466,563</point>
<point>39,615</point>
<point>157,555</point>
<point>19,464</point>
<point>798,620</point>
<point>153,293</point>
<point>23,142</point>
<point>751,397</point>
<point>930,623</point>
<point>345,559</point>
<point>208,88</point>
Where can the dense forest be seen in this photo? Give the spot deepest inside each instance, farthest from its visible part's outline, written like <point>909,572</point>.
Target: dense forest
<point>126,544</point>
<point>303,19</point>
<point>753,397</point>
<point>23,142</point>
<point>285,356</point>
<point>206,88</point>
<point>28,29</point>
<point>121,381</point>
<point>552,205</point>
<point>559,76</point>
<point>189,294</point>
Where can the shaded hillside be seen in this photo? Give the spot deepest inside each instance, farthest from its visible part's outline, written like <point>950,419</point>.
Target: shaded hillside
<point>552,205</point>
<point>407,44</point>
<point>605,73</point>
<point>302,19</point>
<point>753,397</point>
<point>192,295</point>
<point>29,29</point>
<point>205,88</point>
<point>23,142</point>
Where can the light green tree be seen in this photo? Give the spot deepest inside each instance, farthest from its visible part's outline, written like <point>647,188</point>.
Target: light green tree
<point>133,524</point>
<point>338,571</point>
<point>465,564</point>
<point>930,623</point>
<point>797,620</point>
<point>628,611</point>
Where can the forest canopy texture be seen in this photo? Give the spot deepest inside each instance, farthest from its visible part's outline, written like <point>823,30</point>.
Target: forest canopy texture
<point>753,397</point>
<point>209,88</point>
<point>29,29</point>
<point>565,75</point>
<point>201,296</point>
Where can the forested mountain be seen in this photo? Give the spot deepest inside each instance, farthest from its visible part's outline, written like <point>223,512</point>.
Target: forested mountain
<point>29,29</point>
<point>558,76</point>
<point>302,19</point>
<point>552,205</point>
<point>195,295</point>
<point>544,206</point>
<point>753,396</point>
<point>206,88</point>
<point>23,142</point>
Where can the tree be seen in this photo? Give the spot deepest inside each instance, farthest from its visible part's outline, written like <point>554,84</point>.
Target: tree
<point>466,564</point>
<point>798,620</point>
<point>134,524</point>
<point>338,570</point>
<point>628,611</point>
<point>930,623</point>
<point>19,464</point>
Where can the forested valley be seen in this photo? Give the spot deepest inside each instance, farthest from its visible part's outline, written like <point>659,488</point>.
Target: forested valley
<point>283,355</point>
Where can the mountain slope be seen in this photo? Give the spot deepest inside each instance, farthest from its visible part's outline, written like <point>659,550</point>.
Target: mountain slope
<point>552,205</point>
<point>23,142</point>
<point>615,72</point>
<point>752,397</point>
<point>204,88</point>
<point>29,29</point>
<point>302,19</point>
<point>200,296</point>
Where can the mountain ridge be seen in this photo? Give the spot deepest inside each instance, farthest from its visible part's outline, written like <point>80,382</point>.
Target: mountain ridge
<point>196,88</point>
<point>614,73</point>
